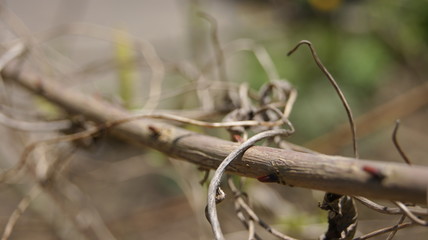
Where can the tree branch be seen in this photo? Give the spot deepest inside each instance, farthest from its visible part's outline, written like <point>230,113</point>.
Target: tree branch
<point>373,179</point>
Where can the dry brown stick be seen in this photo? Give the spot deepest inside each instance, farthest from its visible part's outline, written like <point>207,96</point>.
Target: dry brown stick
<point>315,171</point>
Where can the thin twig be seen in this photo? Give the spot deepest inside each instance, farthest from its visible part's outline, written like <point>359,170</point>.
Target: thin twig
<point>104,33</point>
<point>20,209</point>
<point>248,223</point>
<point>158,72</point>
<point>260,53</point>
<point>205,94</point>
<point>384,230</point>
<point>185,120</point>
<point>407,160</point>
<point>397,145</point>
<point>389,210</point>
<point>251,231</point>
<point>215,181</point>
<point>13,52</point>
<point>336,87</point>
<point>240,201</point>
<point>410,215</point>
<point>290,102</point>
<point>58,199</point>
<point>219,56</point>
<point>34,126</point>
<point>4,176</point>
<point>205,177</point>
<point>90,215</point>
<point>263,224</point>
<point>393,232</point>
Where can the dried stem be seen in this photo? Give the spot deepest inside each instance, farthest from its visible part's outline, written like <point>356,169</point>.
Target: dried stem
<point>34,126</point>
<point>10,173</point>
<point>158,72</point>
<point>219,56</point>
<point>248,223</point>
<point>242,204</point>
<point>215,181</point>
<point>389,210</point>
<point>394,231</point>
<point>410,215</point>
<point>336,87</point>
<point>397,145</point>
<point>260,53</point>
<point>384,230</point>
<point>22,206</point>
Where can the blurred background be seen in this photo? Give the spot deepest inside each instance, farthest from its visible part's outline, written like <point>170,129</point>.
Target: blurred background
<point>376,51</point>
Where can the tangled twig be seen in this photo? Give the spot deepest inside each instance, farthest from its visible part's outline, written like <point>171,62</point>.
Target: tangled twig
<point>389,210</point>
<point>393,232</point>
<point>410,215</point>
<point>241,204</point>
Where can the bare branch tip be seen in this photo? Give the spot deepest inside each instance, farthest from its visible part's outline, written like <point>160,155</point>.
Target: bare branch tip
<point>298,45</point>
<point>397,144</point>
<point>337,89</point>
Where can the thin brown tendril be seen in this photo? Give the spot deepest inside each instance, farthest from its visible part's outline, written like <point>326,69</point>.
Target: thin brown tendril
<point>397,145</point>
<point>336,87</point>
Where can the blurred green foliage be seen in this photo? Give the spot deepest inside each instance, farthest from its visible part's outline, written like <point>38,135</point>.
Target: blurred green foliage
<point>297,224</point>
<point>126,67</point>
<point>49,110</point>
<point>361,43</point>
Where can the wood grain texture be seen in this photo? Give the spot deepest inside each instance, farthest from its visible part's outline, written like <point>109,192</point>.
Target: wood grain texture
<point>335,174</point>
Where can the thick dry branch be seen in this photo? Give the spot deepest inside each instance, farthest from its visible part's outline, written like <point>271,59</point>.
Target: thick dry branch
<point>373,179</point>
